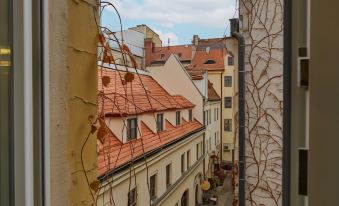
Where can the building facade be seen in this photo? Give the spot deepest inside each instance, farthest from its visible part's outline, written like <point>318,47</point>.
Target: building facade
<point>154,151</point>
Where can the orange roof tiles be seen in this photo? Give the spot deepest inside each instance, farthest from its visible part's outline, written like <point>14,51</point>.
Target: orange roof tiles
<point>113,153</point>
<point>161,54</point>
<point>120,98</point>
<point>141,95</point>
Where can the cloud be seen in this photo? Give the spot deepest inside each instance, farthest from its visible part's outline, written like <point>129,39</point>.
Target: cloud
<point>167,13</point>
<point>174,40</point>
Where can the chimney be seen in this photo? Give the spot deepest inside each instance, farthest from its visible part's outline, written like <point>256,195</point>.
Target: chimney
<point>195,40</point>
<point>234,25</point>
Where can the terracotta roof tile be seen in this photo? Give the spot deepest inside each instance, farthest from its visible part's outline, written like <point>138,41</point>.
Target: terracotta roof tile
<point>113,153</point>
<point>141,95</point>
<point>184,53</point>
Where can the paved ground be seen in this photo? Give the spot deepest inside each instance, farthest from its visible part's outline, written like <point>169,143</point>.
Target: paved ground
<point>224,193</point>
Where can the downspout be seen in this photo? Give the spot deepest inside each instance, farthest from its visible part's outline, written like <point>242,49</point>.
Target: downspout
<point>241,84</point>
<point>221,118</point>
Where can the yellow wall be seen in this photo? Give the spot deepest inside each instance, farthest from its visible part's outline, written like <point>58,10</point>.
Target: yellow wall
<point>73,91</point>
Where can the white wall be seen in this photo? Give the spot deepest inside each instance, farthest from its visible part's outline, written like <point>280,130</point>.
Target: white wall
<point>175,79</point>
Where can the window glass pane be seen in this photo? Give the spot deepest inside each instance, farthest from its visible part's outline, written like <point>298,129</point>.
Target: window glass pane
<point>6,94</point>
<point>228,102</point>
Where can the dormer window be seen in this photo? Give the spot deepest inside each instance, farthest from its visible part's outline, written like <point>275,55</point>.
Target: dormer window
<point>190,115</point>
<point>210,61</point>
<point>160,122</point>
<point>177,117</point>
<point>132,125</point>
<point>162,56</point>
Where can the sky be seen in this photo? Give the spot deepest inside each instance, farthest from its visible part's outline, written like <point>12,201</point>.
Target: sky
<point>177,20</point>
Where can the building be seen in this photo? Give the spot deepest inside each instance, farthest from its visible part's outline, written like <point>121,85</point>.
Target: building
<point>48,89</point>
<point>208,99</point>
<point>153,152</point>
<point>211,56</point>
<point>134,38</point>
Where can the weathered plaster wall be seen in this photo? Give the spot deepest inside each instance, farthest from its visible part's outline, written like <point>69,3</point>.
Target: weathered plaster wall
<point>73,91</point>
<point>263,32</point>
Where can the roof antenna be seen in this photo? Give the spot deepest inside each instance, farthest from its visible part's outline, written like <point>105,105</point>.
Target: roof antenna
<point>168,43</point>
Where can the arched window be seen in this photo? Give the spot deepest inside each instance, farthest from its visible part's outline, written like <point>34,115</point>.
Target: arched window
<point>210,61</point>
<point>184,199</point>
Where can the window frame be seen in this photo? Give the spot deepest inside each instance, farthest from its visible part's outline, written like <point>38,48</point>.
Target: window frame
<point>131,136</point>
<point>228,102</point>
<point>178,118</point>
<point>229,125</point>
<point>188,159</point>
<point>230,60</point>
<point>160,125</point>
<point>227,81</point>
<point>190,115</point>
<point>153,183</point>
<point>182,161</point>
<point>135,197</point>
<point>168,175</point>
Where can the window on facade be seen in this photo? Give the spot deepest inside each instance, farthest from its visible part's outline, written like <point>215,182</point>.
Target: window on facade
<point>230,60</point>
<point>210,143</point>
<point>188,159</point>
<point>217,113</point>
<point>183,163</point>
<point>228,125</point>
<point>132,197</point>
<point>228,102</point>
<point>162,56</point>
<point>190,115</point>
<point>168,174</point>
<point>210,116</point>
<point>177,117</point>
<point>201,148</point>
<point>204,117</point>
<point>132,125</point>
<point>227,81</point>
<point>160,122</point>
<point>215,138</point>
<point>197,151</point>
<point>152,185</point>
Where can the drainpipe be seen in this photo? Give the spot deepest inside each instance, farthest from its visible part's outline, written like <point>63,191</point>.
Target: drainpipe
<point>241,82</point>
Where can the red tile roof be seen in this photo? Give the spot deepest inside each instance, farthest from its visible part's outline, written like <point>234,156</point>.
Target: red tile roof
<point>202,56</point>
<point>130,98</point>
<point>141,95</point>
<point>184,53</point>
<point>113,153</point>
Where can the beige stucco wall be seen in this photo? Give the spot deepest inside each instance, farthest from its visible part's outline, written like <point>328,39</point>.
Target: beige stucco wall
<point>175,79</point>
<point>216,79</point>
<point>212,135</point>
<point>156,165</point>
<point>228,113</point>
<point>73,91</point>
